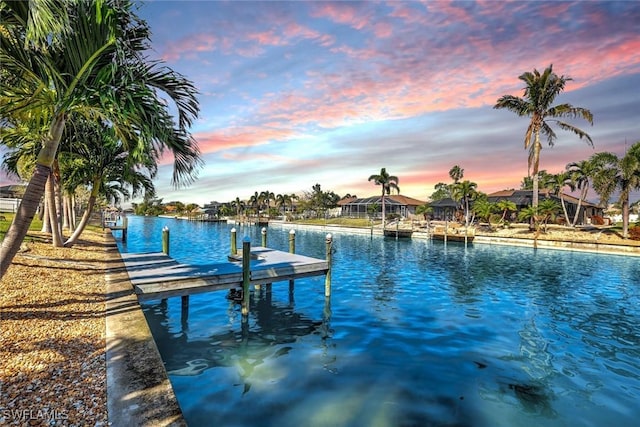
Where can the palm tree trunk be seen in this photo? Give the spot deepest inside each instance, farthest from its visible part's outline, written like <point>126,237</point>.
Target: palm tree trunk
<point>87,214</point>
<point>50,195</point>
<point>46,224</point>
<point>82,224</point>
<point>625,213</point>
<point>383,209</point>
<point>32,195</point>
<point>564,208</point>
<point>583,196</point>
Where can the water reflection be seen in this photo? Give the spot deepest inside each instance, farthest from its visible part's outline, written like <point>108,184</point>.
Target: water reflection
<point>272,325</point>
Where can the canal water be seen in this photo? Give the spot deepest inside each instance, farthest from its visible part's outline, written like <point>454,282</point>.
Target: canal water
<point>416,333</point>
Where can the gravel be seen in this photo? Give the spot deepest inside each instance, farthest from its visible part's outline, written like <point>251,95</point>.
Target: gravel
<point>52,335</point>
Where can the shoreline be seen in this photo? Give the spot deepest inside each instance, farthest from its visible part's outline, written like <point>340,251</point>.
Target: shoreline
<point>558,239</point>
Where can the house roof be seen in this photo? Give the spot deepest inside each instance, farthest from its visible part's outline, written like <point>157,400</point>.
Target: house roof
<point>394,199</point>
<point>445,203</point>
<point>524,197</point>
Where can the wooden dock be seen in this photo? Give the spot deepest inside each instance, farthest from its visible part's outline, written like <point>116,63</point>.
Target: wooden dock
<point>156,275</point>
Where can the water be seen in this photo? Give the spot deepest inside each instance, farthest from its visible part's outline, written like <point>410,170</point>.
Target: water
<point>416,334</point>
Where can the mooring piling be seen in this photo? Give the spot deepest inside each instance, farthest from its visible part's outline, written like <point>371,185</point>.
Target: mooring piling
<point>327,278</point>
<point>264,237</point>
<point>234,243</point>
<point>292,250</point>
<point>246,275</point>
<point>165,240</point>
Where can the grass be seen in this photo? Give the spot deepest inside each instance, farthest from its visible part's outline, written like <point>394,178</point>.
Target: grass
<point>35,227</point>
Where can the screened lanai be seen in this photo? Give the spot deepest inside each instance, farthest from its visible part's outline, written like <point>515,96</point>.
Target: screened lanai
<point>403,206</point>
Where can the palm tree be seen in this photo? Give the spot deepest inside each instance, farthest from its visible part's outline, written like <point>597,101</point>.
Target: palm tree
<point>424,210</point>
<point>581,173</point>
<point>505,206</point>
<point>388,183</point>
<point>103,164</point>
<point>484,209</point>
<point>456,173</point>
<point>282,200</point>
<point>267,196</point>
<point>255,201</point>
<point>97,68</point>
<point>463,192</point>
<point>540,91</point>
<point>556,183</point>
<point>622,174</point>
<point>239,205</point>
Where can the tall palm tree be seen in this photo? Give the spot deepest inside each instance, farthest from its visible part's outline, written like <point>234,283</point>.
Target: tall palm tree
<point>388,183</point>
<point>97,68</point>
<point>540,92</point>
<point>622,174</point>
<point>582,173</point>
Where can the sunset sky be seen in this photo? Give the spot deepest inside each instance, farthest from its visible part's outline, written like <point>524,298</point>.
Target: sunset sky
<point>298,93</point>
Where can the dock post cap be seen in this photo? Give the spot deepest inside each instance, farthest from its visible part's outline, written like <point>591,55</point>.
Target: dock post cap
<point>246,239</point>
<point>292,231</point>
<point>264,230</point>
<point>329,237</point>
<point>233,230</point>
<point>165,228</point>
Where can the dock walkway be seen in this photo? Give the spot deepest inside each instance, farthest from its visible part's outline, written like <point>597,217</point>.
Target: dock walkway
<point>155,275</point>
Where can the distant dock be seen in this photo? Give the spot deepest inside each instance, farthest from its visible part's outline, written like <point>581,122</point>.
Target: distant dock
<point>156,275</point>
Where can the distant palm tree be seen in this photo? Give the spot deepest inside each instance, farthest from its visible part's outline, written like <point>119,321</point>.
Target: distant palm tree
<point>556,183</point>
<point>456,173</point>
<point>255,201</point>
<point>388,183</point>
<point>540,91</point>
<point>582,172</point>
<point>505,206</point>
<point>239,205</point>
<point>267,196</point>
<point>463,192</point>
<point>282,200</point>
<point>622,174</point>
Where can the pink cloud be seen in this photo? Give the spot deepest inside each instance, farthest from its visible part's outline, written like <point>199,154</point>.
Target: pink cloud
<point>230,138</point>
<point>342,14</point>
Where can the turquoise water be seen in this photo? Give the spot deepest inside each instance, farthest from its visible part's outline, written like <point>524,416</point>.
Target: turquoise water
<point>416,333</point>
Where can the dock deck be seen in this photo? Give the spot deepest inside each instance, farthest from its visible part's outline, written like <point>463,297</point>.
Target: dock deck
<point>155,275</point>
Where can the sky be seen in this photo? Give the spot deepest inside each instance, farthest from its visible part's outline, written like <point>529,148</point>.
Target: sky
<point>294,94</point>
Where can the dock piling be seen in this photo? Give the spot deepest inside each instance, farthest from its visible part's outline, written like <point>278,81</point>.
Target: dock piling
<point>234,243</point>
<point>327,279</point>
<point>264,237</point>
<point>292,250</point>
<point>165,240</point>
<point>125,225</point>
<point>246,275</point>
